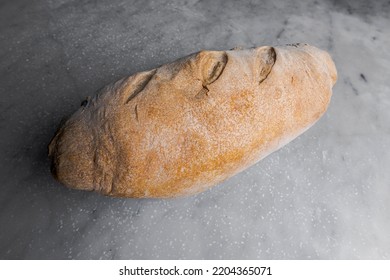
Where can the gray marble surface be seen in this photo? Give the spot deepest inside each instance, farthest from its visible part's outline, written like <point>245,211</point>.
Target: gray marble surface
<point>326,195</point>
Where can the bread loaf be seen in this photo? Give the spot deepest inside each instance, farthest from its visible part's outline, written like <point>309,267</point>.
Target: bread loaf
<point>188,125</point>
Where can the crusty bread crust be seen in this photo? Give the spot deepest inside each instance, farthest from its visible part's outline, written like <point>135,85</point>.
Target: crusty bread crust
<point>186,126</point>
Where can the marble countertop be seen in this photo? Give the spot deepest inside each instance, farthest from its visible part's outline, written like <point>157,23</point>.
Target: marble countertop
<point>326,195</point>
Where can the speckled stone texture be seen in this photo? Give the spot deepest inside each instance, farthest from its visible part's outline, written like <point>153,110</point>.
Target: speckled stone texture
<point>324,196</point>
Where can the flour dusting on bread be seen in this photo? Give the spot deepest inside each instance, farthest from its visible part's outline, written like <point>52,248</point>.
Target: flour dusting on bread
<point>188,125</point>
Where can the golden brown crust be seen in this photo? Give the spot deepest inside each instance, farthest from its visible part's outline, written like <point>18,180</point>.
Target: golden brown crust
<point>186,126</point>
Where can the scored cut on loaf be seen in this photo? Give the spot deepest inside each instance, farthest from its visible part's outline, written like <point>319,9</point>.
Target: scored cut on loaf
<point>188,125</point>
